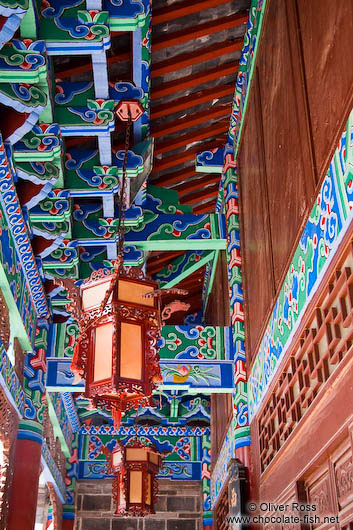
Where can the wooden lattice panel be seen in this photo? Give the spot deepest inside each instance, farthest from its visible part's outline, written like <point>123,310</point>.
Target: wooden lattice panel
<point>326,340</point>
<point>221,512</point>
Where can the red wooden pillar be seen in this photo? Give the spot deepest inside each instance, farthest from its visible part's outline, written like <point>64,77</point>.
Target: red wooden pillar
<point>68,524</point>
<point>26,470</point>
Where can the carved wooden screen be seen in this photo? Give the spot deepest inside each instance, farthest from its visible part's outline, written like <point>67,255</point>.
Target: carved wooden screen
<point>318,352</point>
<point>8,430</point>
<point>221,511</point>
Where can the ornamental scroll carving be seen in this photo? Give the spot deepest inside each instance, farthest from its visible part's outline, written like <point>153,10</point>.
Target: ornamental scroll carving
<point>4,322</point>
<point>8,430</point>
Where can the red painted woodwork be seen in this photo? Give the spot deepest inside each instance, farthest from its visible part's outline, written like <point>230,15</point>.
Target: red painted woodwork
<point>207,193</point>
<point>257,251</point>
<point>175,177</point>
<point>174,160</point>
<point>11,120</point>
<point>217,312</point>
<point>68,524</point>
<point>200,134</point>
<point>24,488</point>
<point>179,85</point>
<point>26,190</point>
<point>196,57</point>
<point>192,120</point>
<point>208,28</point>
<point>183,9</point>
<point>193,100</point>
<point>208,207</point>
<point>198,184</point>
<point>221,415</point>
<point>327,60</point>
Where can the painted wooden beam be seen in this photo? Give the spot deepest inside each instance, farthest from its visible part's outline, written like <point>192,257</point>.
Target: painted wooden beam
<point>196,57</point>
<point>182,369</point>
<point>186,123</point>
<point>167,40</point>
<point>183,9</point>
<point>205,76</point>
<point>194,99</point>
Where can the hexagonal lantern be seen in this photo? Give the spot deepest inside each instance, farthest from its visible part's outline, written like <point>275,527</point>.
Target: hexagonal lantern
<point>135,486</point>
<point>117,351</point>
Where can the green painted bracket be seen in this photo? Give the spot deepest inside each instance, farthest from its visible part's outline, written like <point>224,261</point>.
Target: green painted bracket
<point>251,74</point>
<point>189,270</point>
<point>56,426</point>
<point>212,277</point>
<point>17,328</point>
<point>28,26</point>
<point>184,244</point>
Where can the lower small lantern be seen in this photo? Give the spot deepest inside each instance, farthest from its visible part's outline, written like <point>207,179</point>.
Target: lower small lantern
<point>135,487</point>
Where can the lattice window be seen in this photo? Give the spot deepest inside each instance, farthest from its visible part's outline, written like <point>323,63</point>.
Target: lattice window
<point>222,510</point>
<point>322,346</point>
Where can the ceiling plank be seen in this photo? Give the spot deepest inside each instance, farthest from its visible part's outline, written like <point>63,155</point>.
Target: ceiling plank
<point>202,194</point>
<point>166,40</point>
<point>179,85</point>
<point>195,136</point>
<point>182,9</point>
<point>196,57</point>
<point>205,208</point>
<point>177,176</point>
<point>197,98</point>
<point>190,121</point>
<point>174,160</point>
<point>198,184</point>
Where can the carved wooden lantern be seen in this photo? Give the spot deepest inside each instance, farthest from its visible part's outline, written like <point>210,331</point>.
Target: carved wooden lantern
<point>117,349</point>
<point>135,486</point>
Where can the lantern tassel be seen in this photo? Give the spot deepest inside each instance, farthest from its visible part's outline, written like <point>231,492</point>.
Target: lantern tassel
<point>116,413</point>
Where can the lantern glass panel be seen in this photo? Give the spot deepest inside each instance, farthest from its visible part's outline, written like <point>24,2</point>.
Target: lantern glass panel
<point>131,351</point>
<point>149,489</point>
<point>154,458</point>
<point>132,292</point>
<point>135,487</point>
<point>103,352</point>
<point>93,296</point>
<point>117,458</point>
<point>136,454</point>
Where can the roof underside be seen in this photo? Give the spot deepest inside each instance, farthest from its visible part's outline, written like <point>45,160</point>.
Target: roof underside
<point>196,48</point>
